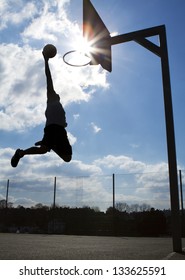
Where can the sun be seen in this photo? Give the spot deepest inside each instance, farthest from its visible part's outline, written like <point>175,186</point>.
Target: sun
<point>83,46</point>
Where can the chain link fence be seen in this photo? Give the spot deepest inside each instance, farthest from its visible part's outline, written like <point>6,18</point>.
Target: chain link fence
<point>127,192</point>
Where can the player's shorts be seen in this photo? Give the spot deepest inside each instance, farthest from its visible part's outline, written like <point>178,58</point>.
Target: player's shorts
<point>55,137</point>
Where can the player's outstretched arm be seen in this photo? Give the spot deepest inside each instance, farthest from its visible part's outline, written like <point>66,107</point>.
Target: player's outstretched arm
<point>49,81</point>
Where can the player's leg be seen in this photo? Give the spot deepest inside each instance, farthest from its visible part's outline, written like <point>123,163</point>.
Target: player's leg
<point>30,151</point>
<point>62,155</point>
<point>63,148</point>
<point>60,143</point>
<point>35,151</point>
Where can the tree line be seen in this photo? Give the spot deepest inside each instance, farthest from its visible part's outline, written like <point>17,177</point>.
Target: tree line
<point>123,220</point>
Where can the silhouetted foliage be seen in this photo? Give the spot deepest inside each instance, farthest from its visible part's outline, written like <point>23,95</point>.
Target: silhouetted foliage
<point>85,221</point>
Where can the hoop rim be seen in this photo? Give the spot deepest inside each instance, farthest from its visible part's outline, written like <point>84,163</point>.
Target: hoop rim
<point>75,65</point>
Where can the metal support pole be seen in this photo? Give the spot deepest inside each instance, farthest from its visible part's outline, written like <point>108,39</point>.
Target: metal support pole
<point>162,52</point>
<point>182,206</point>
<point>7,190</point>
<point>113,191</point>
<point>181,192</point>
<point>173,178</point>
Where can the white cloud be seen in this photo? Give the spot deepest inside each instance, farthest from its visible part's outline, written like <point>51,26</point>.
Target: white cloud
<point>15,13</point>
<point>121,163</point>
<point>134,146</point>
<point>138,182</point>
<point>47,25</point>
<point>95,128</point>
<point>22,90</point>
<point>76,116</point>
<point>50,164</point>
<point>72,138</point>
<point>23,201</point>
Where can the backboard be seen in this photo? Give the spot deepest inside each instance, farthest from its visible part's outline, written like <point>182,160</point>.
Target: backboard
<point>97,35</point>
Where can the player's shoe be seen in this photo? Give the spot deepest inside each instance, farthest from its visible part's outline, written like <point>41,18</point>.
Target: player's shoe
<point>15,159</point>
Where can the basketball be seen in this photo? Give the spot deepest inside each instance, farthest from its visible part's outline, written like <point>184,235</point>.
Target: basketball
<point>50,50</point>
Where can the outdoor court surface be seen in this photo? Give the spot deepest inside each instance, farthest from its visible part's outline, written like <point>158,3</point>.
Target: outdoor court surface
<point>69,247</point>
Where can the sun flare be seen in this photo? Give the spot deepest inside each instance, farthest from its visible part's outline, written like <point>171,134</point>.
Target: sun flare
<point>83,46</point>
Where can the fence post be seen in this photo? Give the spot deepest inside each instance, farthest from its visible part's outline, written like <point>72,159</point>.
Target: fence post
<point>54,204</point>
<point>54,197</point>
<point>113,191</point>
<point>7,190</point>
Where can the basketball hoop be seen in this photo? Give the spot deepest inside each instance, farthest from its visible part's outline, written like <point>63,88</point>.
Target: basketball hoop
<point>76,58</point>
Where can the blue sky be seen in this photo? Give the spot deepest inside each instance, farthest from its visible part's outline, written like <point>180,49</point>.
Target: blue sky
<point>115,120</point>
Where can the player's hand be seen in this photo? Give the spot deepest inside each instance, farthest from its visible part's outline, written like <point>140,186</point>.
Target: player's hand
<point>45,57</point>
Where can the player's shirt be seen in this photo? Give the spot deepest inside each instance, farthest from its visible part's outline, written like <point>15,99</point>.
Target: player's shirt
<point>55,113</point>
